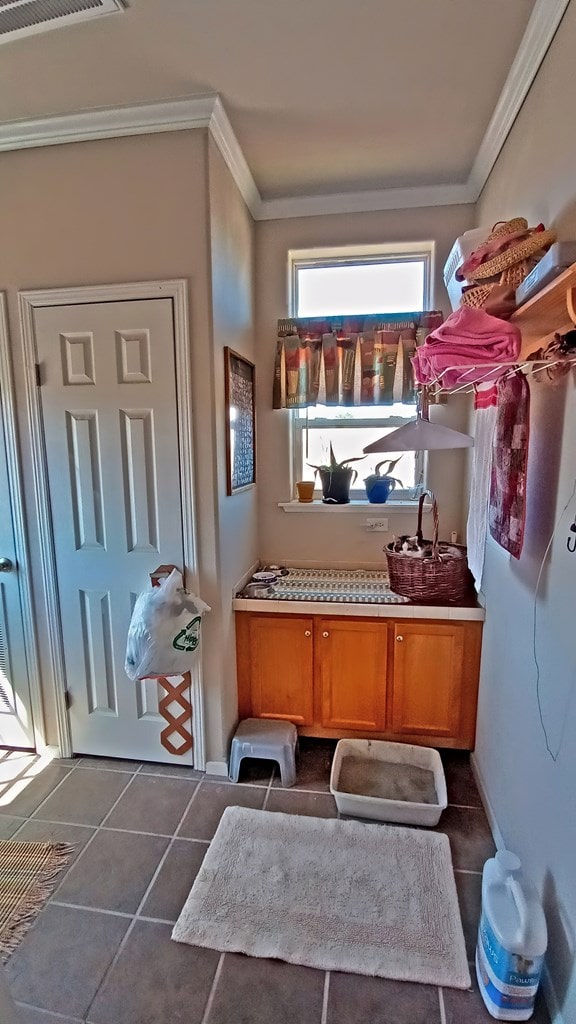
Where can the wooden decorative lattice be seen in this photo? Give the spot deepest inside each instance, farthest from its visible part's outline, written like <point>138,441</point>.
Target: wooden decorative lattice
<point>177,690</point>
<point>179,722</point>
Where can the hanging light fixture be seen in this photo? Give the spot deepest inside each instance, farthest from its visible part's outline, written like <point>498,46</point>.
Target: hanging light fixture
<point>420,435</point>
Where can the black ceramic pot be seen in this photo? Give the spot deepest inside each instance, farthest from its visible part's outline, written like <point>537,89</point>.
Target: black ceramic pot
<point>336,485</point>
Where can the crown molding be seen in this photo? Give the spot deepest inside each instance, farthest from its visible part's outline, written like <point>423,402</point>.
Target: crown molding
<point>208,112</point>
<point>225,138</point>
<point>540,31</point>
<point>108,123</point>
<point>365,202</point>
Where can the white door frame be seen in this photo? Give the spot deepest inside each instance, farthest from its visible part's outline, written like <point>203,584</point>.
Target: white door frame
<point>19,528</point>
<point>29,301</point>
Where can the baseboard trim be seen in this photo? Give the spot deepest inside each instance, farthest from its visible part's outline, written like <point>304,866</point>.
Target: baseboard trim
<point>217,768</point>
<point>494,826</point>
<point>548,989</point>
<point>551,999</point>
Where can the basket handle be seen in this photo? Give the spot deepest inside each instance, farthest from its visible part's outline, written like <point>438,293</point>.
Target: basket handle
<point>423,496</point>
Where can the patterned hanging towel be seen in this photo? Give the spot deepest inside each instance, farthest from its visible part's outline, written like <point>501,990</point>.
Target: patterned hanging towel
<point>509,461</point>
<point>485,405</point>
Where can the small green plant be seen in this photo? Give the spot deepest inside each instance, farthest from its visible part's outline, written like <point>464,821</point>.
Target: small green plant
<point>390,464</point>
<point>378,485</point>
<point>337,478</point>
<point>330,467</point>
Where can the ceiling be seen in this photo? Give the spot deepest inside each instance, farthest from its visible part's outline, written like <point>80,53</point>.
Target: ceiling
<point>324,96</point>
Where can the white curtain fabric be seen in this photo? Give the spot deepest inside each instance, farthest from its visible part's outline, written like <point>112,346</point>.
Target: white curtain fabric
<point>477,526</point>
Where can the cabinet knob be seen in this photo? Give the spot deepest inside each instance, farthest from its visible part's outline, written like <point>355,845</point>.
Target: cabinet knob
<point>325,634</point>
<point>307,632</point>
<point>399,639</point>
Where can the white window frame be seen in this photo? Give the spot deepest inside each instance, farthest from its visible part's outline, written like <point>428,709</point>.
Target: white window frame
<point>354,255</point>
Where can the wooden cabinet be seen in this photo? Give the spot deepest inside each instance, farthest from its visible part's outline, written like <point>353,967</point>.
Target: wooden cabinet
<point>350,666</point>
<point>427,678</point>
<point>277,653</point>
<point>413,680</point>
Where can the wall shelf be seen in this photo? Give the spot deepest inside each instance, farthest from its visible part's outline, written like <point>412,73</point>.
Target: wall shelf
<point>552,309</point>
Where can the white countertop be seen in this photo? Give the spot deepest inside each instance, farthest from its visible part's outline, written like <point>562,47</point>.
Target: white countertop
<point>366,593</point>
<point>388,610</point>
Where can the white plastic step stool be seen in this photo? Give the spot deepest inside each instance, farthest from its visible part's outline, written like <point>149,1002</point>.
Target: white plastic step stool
<point>267,738</point>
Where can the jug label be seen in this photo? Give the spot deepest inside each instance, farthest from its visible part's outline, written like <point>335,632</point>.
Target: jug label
<point>511,970</point>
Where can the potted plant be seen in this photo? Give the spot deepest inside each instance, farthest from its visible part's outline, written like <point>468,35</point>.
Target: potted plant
<point>337,478</point>
<point>378,485</point>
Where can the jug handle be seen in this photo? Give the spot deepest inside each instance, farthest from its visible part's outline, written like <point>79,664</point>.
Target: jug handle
<point>521,905</point>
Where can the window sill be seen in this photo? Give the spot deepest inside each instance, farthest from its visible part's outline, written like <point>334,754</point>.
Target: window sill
<point>352,508</point>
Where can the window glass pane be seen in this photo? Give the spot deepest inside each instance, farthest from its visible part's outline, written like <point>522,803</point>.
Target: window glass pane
<point>361,288</point>
<point>358,412</point>
<point>348,443</point>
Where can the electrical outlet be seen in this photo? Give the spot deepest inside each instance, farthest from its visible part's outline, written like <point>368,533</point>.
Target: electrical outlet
<point>377,525</point>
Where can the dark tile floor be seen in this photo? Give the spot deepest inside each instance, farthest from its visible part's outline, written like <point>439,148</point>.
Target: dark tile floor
<point>100,951</point>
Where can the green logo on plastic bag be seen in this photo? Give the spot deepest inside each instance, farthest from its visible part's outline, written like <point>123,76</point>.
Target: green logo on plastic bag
<point>189,637</point>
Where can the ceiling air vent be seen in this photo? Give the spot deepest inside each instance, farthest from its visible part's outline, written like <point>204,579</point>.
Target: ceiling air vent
<point>24,17</point>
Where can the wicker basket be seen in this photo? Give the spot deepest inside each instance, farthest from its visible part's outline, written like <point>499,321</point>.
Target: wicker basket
<point>429,579</point>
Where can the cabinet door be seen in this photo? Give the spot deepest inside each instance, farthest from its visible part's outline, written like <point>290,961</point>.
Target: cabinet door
<point>281,656</point>
<point>428,669</point>
<point>351,667</point>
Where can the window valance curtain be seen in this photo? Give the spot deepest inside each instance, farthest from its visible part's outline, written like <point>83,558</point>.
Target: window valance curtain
<point>348,360</point>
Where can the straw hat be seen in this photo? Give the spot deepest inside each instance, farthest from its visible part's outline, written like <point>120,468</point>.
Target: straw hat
<point>521,250</point>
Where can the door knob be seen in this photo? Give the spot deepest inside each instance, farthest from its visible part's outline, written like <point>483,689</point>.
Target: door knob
<point>325,634</point>
<point>307,632</point>
<point>399,639</point>
<point>6,565</point>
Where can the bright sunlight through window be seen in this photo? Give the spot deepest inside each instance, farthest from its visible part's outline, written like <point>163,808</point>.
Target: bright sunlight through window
<point>362,288</point>
<point>333,284</point>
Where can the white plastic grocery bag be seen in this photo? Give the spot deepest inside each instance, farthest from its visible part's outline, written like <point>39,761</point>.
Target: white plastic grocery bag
<point>164,630</point>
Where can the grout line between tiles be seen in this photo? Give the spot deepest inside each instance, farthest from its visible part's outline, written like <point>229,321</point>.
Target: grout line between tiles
<point>442,1007</point>
<point>112,913</point>
<point>166,775</point>
<point>148,889</point>
<point>225,781</point>
<point>212,994</point>
<point>466,807</point>
<point>156,920</point>
<point>466,871</point>
<point>325,993</point>
<point>92,910</point>
<point>49,1013</point>
<point>92,837</point>
<point>51,793</point>
<point>111,828</point>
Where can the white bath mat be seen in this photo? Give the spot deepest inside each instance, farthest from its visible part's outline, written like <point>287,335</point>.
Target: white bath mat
<point>337,895</point>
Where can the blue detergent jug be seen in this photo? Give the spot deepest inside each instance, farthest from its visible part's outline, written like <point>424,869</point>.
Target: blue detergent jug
<point>512,939</point>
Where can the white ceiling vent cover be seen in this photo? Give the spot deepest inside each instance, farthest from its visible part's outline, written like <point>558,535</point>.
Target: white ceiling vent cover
<point>24,17</point>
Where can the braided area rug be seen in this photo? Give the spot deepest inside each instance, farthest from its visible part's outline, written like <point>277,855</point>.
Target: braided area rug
<point>27,874</point>
<point>336,895</point>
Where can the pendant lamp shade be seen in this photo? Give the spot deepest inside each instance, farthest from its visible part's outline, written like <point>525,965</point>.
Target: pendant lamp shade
<point>420,435</point>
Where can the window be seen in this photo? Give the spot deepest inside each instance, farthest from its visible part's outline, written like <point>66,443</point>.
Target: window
<point>392,279</point>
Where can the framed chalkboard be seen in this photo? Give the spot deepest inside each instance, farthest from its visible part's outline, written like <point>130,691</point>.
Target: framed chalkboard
<point>240,422</point>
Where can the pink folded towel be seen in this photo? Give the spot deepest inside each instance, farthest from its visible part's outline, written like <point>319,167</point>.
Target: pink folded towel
<point>467,336</point>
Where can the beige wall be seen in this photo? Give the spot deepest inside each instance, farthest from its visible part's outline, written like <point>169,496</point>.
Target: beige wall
<point>338,536</point>
<point>531,795</point>
<point>232,292</point>
<point>113,211</point>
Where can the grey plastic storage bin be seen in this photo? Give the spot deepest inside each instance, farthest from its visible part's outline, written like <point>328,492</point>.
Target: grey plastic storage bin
<point>380,808</point>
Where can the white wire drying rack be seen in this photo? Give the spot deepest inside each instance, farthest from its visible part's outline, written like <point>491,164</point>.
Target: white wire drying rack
<point>484,372</point>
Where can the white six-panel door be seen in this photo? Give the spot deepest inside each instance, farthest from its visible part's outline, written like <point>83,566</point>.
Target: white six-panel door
<point>108,398</point>
<point>16,726</point>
